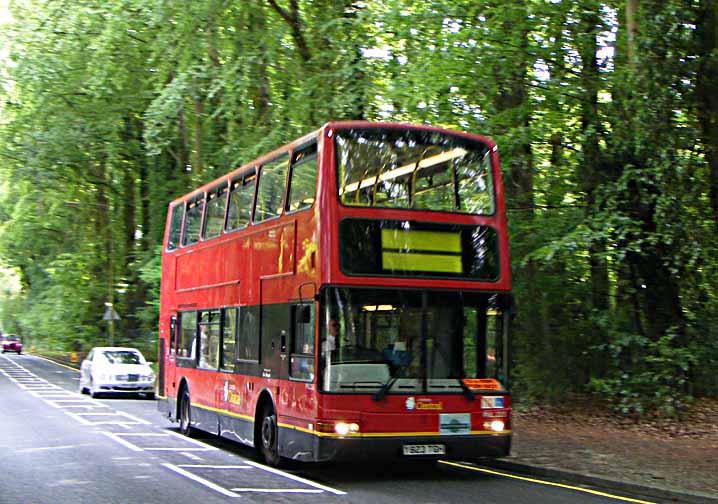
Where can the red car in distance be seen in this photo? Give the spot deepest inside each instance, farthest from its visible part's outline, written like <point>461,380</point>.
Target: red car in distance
<point>11,343</point>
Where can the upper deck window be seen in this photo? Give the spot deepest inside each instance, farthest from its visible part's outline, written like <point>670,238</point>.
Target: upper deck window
<point>240,201</point>
<point>270,193</point>
<point>303,178</point>
<point>173,240</point>
<point>193,221</point>
<point>214,216</point>
<point>399,168</point>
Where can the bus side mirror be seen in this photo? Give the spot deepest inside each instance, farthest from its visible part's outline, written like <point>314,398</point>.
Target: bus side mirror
<point>305,315</point>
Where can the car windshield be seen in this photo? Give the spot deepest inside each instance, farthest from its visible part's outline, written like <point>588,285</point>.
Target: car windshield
<point>12,337</point>
<point>122,357</point>
<point>410,341</point>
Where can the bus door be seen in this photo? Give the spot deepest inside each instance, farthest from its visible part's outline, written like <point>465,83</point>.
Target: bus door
<point>275,330</point>
<point>166,358</point>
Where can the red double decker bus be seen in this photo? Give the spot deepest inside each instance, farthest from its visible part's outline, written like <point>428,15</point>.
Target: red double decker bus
<point>344,297</point>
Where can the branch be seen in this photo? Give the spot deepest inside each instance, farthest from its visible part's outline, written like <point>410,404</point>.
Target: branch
<point>293,21</point>
<point>281,12</point>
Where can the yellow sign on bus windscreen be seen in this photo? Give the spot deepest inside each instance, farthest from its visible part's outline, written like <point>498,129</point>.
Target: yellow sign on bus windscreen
<point>429,251</point>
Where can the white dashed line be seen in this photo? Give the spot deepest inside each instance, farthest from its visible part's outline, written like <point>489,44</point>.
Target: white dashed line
<point>200,466</point>
<point>279,490</point>
<point>295,478</point>
<point>191,456</point>
<point>200,480</point>
<point>63,399</point>
<point>126,444</point>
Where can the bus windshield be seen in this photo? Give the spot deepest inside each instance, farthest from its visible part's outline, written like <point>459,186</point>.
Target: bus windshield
<point>409,341</point>
<point>398,168</point>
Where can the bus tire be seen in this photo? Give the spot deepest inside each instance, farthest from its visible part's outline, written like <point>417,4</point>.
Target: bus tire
<point>185,413</point>
<point>268,445</point>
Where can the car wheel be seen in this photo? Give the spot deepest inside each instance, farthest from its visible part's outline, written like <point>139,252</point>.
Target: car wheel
<point>19,352</point>
<point>185,414</point>
<point>268,446</point>
<point>150,395</point>
<point>93,393</point>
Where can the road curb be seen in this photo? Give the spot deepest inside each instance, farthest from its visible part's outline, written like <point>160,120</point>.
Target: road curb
<point>655,492</point>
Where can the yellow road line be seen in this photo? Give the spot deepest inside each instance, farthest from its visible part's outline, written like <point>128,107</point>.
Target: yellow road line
<point>540,482</point>
<point>55,362</point>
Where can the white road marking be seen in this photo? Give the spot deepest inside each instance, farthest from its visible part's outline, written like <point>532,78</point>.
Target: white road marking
<point>126,444</point>
<point>190,440</point>
<point>49,448</point>
<point>62,399</point>
<point>51,393</point>
<point>163,434</point>
<point>200,466</point>
<point>89,406</point>
<point>71,403</point>
<point>295,478</point>
<point>133,420</point>
<point>200,480</point>
<point>279,490</point>
<point>191,456</point>
<point>201,446</point>
<point>180,449</point>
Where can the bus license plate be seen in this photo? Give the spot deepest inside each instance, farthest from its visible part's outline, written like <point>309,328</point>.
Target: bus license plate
<point>424,449</point>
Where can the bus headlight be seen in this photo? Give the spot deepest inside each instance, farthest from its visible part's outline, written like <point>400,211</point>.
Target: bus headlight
<point>341,427</point>
<point>344,428</point>
<point>497,426</point>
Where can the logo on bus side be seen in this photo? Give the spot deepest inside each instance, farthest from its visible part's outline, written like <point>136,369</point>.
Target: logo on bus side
<point>423,404</point>
<point>229,395</point>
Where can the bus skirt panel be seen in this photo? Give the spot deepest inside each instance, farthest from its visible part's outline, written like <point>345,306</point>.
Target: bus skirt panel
<point>389,448</point>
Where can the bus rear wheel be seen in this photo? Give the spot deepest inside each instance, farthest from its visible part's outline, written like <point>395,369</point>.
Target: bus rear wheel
<point>268,445</point>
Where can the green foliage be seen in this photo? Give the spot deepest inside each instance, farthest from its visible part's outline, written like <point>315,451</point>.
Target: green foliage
<point>609,147</point>
<point>653,374</point>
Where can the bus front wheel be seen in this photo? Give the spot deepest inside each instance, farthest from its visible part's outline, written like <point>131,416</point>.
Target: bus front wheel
<point>185,414</point>
<point>268,446</point>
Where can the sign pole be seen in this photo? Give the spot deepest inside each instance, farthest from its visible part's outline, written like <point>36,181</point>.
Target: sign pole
<point>111,315</point>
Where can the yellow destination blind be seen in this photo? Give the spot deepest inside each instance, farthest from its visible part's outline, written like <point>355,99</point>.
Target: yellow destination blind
<point>430,251</point>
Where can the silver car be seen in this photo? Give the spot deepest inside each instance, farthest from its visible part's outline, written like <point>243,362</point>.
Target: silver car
<point>108,370</point>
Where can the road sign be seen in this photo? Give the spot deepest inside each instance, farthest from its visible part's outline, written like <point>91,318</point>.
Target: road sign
<point>110,314</point>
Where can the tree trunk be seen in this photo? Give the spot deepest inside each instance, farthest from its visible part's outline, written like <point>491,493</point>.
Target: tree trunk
<point>590,169</point>
<point>707,106</point>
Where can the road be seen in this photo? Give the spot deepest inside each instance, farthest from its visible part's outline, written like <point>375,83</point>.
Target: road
<point>60,446</point>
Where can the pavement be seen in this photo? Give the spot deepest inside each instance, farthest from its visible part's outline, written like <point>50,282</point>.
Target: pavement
<point>547,454</point>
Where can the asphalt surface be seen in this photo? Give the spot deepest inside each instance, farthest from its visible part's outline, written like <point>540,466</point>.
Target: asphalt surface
<point>60,446</point>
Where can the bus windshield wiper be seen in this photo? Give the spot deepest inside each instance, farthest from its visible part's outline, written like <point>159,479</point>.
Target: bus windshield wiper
<point>385,388</point>
<point>390,382</point>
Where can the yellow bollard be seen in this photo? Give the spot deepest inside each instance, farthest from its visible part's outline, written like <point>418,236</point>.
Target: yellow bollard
<point>73,357</point>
